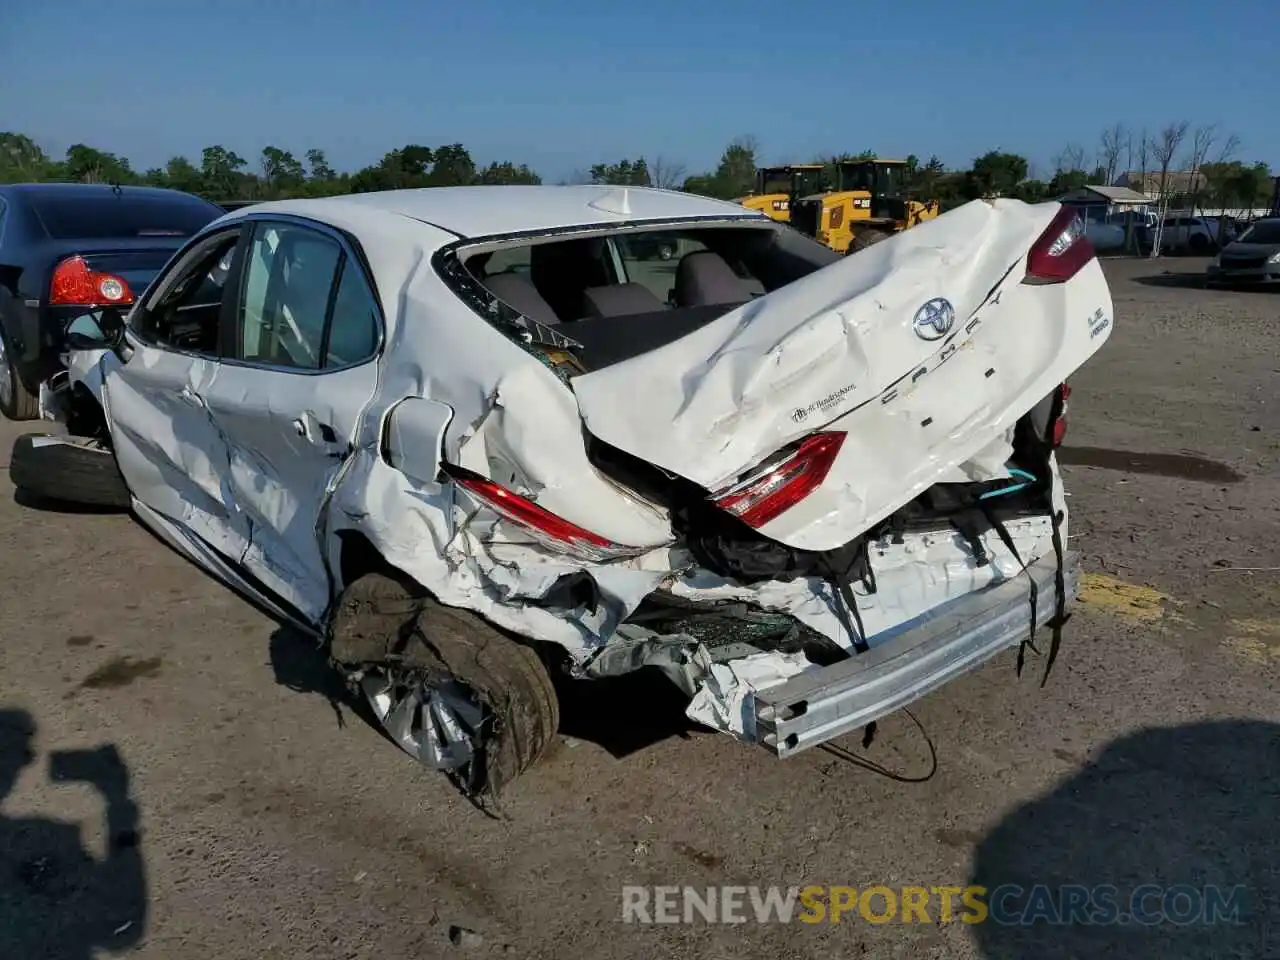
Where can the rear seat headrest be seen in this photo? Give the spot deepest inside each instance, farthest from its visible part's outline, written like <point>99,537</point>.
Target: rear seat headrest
<point>520,294</point>
<point>703,278</point>
<point>620,299</point>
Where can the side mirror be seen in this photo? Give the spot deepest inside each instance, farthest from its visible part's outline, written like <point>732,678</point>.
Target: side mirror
<point>100,330</point>
<point>413,442</point>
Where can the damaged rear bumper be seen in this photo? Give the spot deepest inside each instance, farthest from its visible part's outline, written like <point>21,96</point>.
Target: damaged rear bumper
<point>823,704</point>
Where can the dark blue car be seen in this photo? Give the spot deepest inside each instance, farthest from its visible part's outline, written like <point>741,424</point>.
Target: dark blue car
<point>66,248</point>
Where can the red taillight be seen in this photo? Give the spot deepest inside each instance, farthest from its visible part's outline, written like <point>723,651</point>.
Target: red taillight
<point>1058,432</point>
<point>780,486</point>
<point>553,532</point>
<point>74,284</point>
<point>1061,251</point>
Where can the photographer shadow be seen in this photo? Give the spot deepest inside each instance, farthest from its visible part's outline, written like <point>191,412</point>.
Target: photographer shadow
<point>56,899</point>
<point>1172,820</point>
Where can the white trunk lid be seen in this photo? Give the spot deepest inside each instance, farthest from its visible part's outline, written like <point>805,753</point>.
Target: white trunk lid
<point>840,350</point>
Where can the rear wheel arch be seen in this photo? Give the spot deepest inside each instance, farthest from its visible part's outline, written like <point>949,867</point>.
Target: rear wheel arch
<point>357,557</point>
<point>398,645</point>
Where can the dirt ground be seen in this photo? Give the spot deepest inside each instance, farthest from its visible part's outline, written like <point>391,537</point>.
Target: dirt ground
<point>271,820</point>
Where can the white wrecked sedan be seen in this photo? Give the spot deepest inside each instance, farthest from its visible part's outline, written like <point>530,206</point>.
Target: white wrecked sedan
<point>466,435</point>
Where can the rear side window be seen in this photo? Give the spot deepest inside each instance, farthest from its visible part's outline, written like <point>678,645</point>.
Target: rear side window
<point>353,329</point>
<point>107,215</point>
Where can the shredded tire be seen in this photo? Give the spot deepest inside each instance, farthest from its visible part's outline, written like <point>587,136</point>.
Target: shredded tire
<point>67,470</point>
<point>382,620</point>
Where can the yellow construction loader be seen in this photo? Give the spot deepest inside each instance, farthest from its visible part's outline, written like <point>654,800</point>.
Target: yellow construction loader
<point>775,188</point>
<point>867,202</point>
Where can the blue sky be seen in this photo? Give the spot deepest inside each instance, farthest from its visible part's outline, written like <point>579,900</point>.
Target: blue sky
<point>562,84</point>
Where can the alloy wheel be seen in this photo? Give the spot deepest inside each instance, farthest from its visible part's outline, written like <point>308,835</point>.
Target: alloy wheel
<point>6,376</point>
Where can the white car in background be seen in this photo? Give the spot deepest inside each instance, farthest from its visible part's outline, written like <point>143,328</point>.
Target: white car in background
<point>1107,229</point>
<point>1182,233</point>
<point>463,437</point>
<point>1104,237</point>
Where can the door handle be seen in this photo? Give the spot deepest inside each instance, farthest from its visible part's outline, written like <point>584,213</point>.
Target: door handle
<point>325,435</point>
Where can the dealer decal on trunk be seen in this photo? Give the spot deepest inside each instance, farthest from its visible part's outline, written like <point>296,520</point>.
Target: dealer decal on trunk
<point>825,405</point>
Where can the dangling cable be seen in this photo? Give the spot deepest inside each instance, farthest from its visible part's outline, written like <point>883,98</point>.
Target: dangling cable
<point>843,601</point>
<point>1060,615</point>
<point>1003,532</point>
<point>870,765</point>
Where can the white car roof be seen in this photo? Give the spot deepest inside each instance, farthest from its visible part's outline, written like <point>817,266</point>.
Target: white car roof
<point>489,210</point>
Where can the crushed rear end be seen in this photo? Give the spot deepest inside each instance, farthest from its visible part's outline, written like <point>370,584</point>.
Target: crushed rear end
<point>860,472</point>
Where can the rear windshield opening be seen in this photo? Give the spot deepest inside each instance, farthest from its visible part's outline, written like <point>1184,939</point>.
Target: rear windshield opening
<point>108,216</point>
<point>1264,231</point>
<point>623,294</point>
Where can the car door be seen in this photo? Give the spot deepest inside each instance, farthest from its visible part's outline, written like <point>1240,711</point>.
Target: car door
<point>171,454</point>
<point>299,369</point>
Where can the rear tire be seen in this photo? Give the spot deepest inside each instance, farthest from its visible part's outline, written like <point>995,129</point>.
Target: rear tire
<point>16,401</point>
<point>68,469</point>
<point>1199,244</point>
<point>865,238</point>
<point>384,626</point>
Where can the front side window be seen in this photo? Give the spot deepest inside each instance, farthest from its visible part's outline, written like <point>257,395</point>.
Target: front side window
<point>290,273</point>
<point>187,313</point>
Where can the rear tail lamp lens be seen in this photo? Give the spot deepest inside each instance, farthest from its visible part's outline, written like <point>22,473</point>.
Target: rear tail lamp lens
<point>1061,251</point>
<point>551,531</point>
<point>74,284</point>
<point>778,487</point>
<point>1058,432</point>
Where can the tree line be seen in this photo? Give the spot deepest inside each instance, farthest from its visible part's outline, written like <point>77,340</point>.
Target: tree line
<point>1198,165</point>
